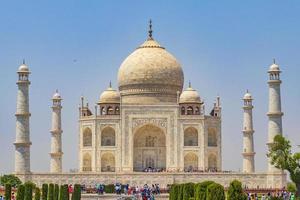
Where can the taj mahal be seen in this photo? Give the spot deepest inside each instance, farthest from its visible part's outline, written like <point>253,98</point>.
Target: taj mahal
<point>149,130</point>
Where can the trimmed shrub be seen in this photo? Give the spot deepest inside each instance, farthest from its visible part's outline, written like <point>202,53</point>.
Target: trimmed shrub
<point>64,192</point>
<point>28,190</point>
<point>109,188</point>
<point>50,195</point>
<point>200,190</point>
<point>56,192</point>
<point>7,191</point>
<point>188,191</point>
<point>21,192</point>
<point>44,191</point>
<point>291,187</point>
<point>180,192</point>
<point>11,179</point>
<point>77,192</point>
<point>235,191</point>
<point>37,194</point>
<point>215,191</point>
<point>174,192</point>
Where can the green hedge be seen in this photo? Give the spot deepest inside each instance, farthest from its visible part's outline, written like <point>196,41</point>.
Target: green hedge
<point>50,195</point>
<point>200,190</point>
<point>188,191</point>
<point>10,179</point>
<point>7,191</point>
<point>37,194</point>
<point>64,192</point>
<point>77,192</point>
<point>44,191</point>
<point>28,191</point>
<point>109,188</point>
<point>235,191</point>
<point>56,192</point>
<point>215,191</point>
<point>21,192</point>
<point>174,192</point>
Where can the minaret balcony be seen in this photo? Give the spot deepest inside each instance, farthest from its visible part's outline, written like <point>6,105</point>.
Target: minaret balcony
<point>275,114</point>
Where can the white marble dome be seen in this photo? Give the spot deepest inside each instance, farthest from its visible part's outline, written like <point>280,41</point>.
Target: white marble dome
<point>189,95</point>
<point>152,73</point>
<point>23,68</point>
<point>56,95</point>
<point>110,95</point>
<point>248,96</point>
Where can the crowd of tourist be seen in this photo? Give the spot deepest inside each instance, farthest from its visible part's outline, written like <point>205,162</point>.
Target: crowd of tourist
<point>282,195</point>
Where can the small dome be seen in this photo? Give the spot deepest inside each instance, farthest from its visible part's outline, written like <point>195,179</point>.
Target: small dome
<point>248,96</point>
<point>110,95</point>
<point>274,67</point>
<point>23,68</point>
<point>189,95</point>
<point>56,95</point>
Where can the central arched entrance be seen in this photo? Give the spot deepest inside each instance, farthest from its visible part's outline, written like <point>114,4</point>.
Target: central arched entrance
<point>149,149</point>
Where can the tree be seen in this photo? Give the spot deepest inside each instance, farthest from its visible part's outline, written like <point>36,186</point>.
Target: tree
<point>56,192</point>
<point>291,187</point>
<point>174,192</point>
<point>64,192</point>
<point>44,191</point>
<point>21,192</point>
<point>215,191</point>
<point>28,191</point>
<point>50,192</point>
<point>188,191</point>
<point>37,194</point>
<point>77,192</point>
<point>7,191</point>
<point>200,190</point>
<point>235,191</point>
<point>281,157</point>
<point>180,192</point>
<point>10,179</point>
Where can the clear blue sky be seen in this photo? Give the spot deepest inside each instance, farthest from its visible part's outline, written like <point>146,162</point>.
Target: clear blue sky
<point>225,47</point>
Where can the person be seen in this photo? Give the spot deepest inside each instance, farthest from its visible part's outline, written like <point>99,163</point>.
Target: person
<point>263,197</point>
<point>13,196</point>
<point>1,197</point>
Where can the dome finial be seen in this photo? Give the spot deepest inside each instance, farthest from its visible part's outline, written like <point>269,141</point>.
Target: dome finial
<point>190,85</point>
<point>274,61</point>
<point>110,84</point>
<point>23,62</point>
<point>150,30</point>
<point>247,91</point>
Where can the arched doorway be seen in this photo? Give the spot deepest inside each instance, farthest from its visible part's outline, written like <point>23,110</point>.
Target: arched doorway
<point>149,148</point>
<point>190,162</point>
<point>107,162</point>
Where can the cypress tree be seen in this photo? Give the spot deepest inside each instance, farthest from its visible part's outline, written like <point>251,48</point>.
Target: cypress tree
<point>61,191</point>
<point>44,191</point>
<point>77,192</point>
<point>188,191</point>
<point>50,192</point>
<point>28,191</point>
<point>200,190</point>
<point>215,191</point>
<point>235,191</point>
<point>56,192</point>
<point>21,192</point>
<point>7,191</point>
<point>37,194</point>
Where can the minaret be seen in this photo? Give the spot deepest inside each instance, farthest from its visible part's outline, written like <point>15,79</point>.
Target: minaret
<point>56,131</point>
<point>22,142</point>
<point>274,114</point>
<point>248,145</point>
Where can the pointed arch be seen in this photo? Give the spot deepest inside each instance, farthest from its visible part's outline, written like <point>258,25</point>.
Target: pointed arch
<point>87,162</point>
<point>190,162</point>
<point>212,137</point>
<point>87,137</point>
<point>108,162</point>
<point>190,136</point>
<point>212,162</point>
<point>108,137</point>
